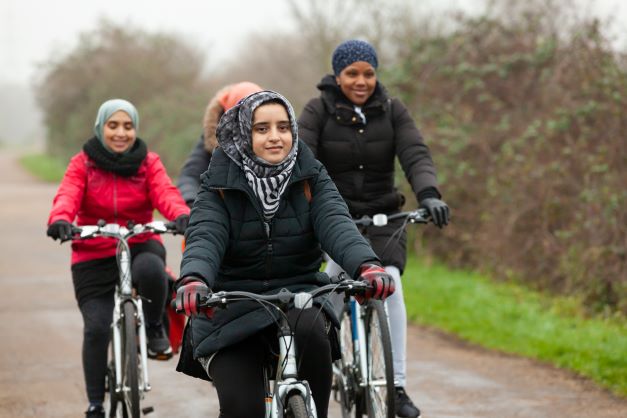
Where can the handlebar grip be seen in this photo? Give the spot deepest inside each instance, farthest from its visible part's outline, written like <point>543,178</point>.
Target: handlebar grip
<point>171,226</point>
<point>173,306</point>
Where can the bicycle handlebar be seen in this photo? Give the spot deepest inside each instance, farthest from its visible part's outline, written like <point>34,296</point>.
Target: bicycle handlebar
<point>114,230</point>
<point>420,216</point>
<point>302,300</point>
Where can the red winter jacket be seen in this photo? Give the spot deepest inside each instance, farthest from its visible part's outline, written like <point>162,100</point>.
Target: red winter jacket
<point>89,193</point>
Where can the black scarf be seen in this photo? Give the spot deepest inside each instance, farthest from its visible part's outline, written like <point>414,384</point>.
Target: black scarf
<point>125,165</point>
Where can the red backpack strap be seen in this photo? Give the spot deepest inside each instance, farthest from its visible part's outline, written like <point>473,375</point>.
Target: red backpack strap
<point>307,190</point>
<point>221,191</point>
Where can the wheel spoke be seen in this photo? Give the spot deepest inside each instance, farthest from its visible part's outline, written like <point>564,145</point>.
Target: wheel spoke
<point>380,402</point>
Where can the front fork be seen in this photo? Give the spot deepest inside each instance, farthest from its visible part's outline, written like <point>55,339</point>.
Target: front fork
<point>358,332</point>
<point>286,382</point>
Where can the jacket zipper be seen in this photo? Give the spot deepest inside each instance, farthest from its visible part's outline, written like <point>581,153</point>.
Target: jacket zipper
<point>115,198</point>
<point>269,248</point>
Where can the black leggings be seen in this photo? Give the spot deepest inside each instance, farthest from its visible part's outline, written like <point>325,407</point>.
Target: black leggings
<point>237,371</point>
<point>149,277</point>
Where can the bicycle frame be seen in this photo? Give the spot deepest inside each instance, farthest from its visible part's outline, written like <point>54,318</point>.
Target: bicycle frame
<point>286,381</point>
<point>124,292</point>
<point>358,332</point>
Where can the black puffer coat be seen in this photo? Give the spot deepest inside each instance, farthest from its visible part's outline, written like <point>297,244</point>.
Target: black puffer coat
<point>200,157</point>
<point>228,247</point>
<point>360,157</point>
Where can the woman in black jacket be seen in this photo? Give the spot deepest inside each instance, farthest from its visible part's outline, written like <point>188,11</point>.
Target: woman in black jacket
<point>253,228</point>
<point>356,130</point>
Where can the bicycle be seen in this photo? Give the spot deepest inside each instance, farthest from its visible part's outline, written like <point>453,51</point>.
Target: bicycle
<point>127,373</point>
<point>286,395</point>
<point>363,379</point>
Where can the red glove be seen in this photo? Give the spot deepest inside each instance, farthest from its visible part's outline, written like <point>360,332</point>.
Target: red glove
<point>381,282</point>
<point>188,294</point>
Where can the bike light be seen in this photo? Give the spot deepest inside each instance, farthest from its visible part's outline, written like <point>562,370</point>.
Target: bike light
<point>380,219</point>
<point>111,228</point>
<point>303,300</point>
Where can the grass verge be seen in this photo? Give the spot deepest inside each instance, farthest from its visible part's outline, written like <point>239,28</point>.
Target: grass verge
<point>44,167</point>
<point>510,318</point>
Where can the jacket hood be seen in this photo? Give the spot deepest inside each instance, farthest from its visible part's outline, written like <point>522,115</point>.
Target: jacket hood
<point>332,95</point>
<point>337,104</point>
<point>223,100</point>
<point>213,112</point>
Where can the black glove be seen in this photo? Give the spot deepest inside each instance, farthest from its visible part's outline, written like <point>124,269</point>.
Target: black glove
<point>60,230</point>
<point>438,210</point>
<point>181,223</point>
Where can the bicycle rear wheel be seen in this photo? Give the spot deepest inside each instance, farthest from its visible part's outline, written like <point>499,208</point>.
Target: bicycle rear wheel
<point>344,383</point>
<point>130,382</point>
<point>296,407</point>
<point>380,385</point>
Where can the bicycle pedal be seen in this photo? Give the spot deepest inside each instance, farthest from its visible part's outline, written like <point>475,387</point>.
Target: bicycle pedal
<point>147,410</point>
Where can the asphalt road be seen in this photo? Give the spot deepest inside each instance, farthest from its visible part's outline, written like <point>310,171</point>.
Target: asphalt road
<point>41,332</point>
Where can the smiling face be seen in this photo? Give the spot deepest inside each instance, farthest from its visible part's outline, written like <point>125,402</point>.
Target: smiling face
<point>119,132</point>
<point>272,133</point>
<point>357,81</point>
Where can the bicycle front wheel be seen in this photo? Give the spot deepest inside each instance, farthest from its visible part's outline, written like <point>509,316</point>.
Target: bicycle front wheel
<point>345,389</point>
<point>296,407</point>
<point>380,385</point>
<point>130,382</point>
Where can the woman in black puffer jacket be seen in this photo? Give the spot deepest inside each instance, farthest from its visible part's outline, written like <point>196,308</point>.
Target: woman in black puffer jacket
<point>356,130</point>
<point>253,228</point>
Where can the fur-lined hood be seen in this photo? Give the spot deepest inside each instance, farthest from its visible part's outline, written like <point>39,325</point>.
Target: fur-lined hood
<point>213,113</point>
<point>223,100</point>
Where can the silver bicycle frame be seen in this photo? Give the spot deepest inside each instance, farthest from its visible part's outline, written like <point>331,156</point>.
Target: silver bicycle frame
<point>286,381</point>
<point>124,291</point>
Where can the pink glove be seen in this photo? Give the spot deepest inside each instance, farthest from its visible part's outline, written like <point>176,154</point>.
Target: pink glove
<point>381,282</point>
<point>189,291</point>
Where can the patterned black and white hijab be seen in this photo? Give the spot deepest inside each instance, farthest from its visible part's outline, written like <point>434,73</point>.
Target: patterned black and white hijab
<point>268,181</point>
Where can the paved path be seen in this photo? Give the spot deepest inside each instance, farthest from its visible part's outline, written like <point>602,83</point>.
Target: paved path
<point>40,343</point>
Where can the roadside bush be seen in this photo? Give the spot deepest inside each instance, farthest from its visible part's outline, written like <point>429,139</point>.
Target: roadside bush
<point>159,74</point>
<point>526,121</point>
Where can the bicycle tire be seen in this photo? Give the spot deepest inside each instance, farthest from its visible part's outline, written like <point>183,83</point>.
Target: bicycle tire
<point>110,389</point>
<point>344,380</point>
<point>296,407</point>
<point>380,387</point>
<point>130,381</point>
